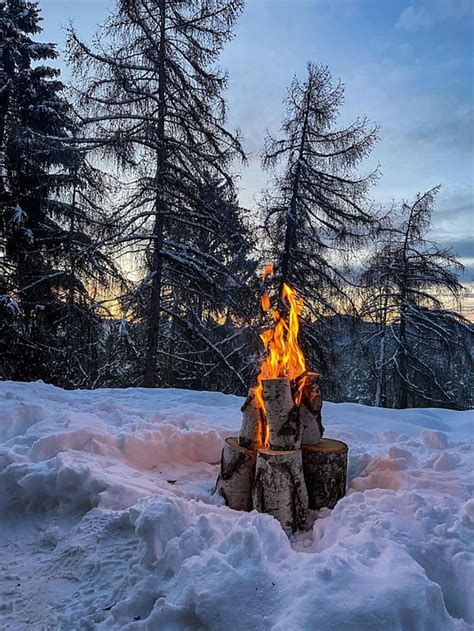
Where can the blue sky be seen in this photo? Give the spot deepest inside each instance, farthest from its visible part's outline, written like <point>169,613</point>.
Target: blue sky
<point>406,64</point>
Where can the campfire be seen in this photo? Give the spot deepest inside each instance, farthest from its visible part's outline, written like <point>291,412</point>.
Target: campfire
<point>280,463</point>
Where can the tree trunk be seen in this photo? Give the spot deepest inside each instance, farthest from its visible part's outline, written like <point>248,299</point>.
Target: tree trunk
<point>251,432</point>
<point>380,370</point>
<point>282,415</point>
<point>237,473</point>
<point>4,118</point>
<point>325,472</point>
<point>290,231</point>
<point>71,289</point>
<point>170,360</point>
<point>279,488</point>
<point>402,362</point>
<point>154,308</point>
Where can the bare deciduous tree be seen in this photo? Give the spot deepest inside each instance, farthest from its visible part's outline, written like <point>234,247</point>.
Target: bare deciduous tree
<point>407,280</point>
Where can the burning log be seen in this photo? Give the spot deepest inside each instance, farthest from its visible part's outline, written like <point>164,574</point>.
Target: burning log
<point>251,432</point>
<point>282,415</point>
<point>310,410</point>
<point>279,488</point>
<point>280,464</point>
<point>325,472</point>
<point>237,474</point>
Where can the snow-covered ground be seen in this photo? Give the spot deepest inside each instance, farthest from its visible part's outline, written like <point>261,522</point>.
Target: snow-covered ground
<point>107,520</point>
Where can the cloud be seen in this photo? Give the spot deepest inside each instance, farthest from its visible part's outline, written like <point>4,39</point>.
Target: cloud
<point>424,14</point>
<point>463,248</point>
<point>414,18</point>
<point>452,224</point>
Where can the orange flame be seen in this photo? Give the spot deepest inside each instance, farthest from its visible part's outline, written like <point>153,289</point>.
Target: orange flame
<point>284,355</point>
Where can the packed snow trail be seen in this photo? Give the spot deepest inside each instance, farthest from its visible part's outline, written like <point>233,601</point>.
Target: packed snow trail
<point>108,520</point>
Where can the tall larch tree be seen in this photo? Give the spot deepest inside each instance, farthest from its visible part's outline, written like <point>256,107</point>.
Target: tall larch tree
<point>316,212</point>
<point>317,206</point>
<point>154,101</point>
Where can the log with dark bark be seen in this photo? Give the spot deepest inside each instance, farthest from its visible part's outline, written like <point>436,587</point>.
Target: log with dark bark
<point>310,410</point>
<point>279,488</point>
<point>282,415</point>
<point>237,474</point>
<point>325,472</point>
<point>251,432</point>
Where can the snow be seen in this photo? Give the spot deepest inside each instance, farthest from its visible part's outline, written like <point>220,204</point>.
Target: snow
<point>108,520</point>
<point>19,216</point>
<point>9,305</point>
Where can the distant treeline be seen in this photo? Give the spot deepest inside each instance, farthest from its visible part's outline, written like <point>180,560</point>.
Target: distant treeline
<point>133,167</point>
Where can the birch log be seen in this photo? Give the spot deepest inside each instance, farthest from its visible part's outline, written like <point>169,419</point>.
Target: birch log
<point>279,488</point>
<point>282,415</point>
<point>310,410</point>
<point>251,432</point>
<point>237,474</point>
<point>325,472</point>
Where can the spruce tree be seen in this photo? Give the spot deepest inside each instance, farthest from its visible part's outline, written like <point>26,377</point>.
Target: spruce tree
<point>48,203</point>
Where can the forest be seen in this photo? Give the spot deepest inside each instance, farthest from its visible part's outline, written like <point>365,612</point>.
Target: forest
<point>126,258</point>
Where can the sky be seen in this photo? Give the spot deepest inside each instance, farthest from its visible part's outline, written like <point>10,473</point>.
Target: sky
<point>406,64</point>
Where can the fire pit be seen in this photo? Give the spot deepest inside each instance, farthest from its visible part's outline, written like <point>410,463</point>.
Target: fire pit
<point>280,463</point>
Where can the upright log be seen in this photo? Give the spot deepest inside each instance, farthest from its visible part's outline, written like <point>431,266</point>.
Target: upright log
<point>279,488</point>
<point>252,423</point>
<point>312,425</point>
<point>237,474</point>
<point>325,472</point>
<point>310,410</point>
<point>282,415</point>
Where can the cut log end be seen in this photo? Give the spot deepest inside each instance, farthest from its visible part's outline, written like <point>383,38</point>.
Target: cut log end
<point>325,472</point>
<point>237,473</point>
<point>279,487</point>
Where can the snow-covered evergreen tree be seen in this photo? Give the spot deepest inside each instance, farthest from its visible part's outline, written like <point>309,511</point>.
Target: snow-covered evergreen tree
<point>49,217</point>
<point>154,100</point>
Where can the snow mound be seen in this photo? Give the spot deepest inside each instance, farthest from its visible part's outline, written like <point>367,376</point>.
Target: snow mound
<point>109,522</point>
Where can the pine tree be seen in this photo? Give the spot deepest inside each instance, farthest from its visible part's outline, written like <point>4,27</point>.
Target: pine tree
<point>48,202</point>
<point>154,102</point>
<point>422,345</point>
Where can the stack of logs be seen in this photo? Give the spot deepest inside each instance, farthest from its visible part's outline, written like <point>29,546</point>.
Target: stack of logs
<point>299,469</point>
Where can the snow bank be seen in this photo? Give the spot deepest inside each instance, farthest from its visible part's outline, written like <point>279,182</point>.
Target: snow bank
<point>109,520</point>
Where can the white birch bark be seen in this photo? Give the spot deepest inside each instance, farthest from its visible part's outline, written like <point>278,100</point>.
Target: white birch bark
<point>237,473</point>
<point>251,431</point>
<point>282,415</point>
<point>279,488</point>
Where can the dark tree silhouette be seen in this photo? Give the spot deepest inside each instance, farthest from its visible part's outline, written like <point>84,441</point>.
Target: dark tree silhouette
<point>50,218</point>
<point>319,207</point>
<point>317,213</point>
<point>408,280</point>
<point>154,101</point>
